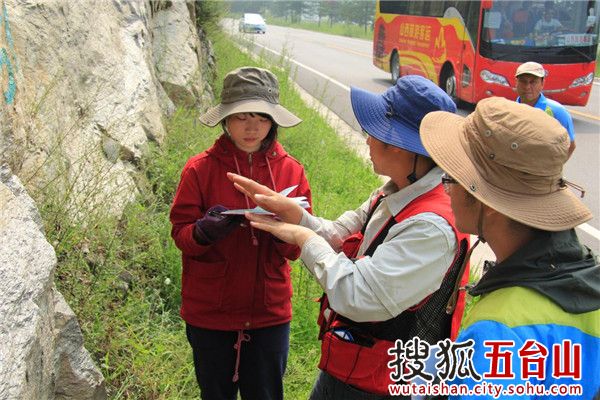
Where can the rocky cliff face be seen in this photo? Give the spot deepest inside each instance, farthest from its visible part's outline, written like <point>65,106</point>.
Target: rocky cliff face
<point>84,88</point>
<point>41,348</point>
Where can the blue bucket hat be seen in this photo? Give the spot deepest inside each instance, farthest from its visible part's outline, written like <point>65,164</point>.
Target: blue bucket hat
<point>395,115</point>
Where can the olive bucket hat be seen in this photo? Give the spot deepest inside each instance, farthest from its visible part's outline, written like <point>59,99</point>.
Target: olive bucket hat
<point>509,156</point>
<point>250,90</point>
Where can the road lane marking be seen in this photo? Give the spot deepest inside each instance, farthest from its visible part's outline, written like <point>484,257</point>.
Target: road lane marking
<point>358,53</point>
<point>590,230</point>
<point>314,71</point>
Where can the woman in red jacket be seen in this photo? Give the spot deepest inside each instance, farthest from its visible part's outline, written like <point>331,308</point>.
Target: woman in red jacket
<point>236,287</point>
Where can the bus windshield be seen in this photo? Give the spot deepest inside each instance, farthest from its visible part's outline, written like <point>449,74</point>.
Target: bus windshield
<point>560,32</point>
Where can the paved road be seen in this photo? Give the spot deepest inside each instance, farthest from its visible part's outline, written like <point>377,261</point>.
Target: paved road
<point>327,65</point>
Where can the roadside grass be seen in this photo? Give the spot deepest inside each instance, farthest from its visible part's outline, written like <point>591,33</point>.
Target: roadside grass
<point>122,275</point>
<point>340,29</point>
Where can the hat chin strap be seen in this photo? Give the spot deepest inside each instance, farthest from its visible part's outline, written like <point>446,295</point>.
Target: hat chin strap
<point>450,306</point>
<point>412,177</point>
<point>480,239</point>
<point>480,225</point>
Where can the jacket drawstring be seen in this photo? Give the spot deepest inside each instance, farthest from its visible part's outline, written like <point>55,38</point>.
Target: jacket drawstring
<point>271,174</point>
<point>242,337</point>
<point>252,235</point>
<point>237,167</point>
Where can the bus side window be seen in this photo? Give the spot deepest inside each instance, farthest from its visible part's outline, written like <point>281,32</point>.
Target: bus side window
<point>471,20</point>
<point>394,7</point>
<point>416,7</point>
<point>437,8</point>
<point>469,12</point>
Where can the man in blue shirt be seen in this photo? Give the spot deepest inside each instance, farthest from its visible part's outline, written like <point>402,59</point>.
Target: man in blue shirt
<point>530,82</point>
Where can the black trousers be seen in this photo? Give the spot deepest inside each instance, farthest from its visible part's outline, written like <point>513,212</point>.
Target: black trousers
<point>262,360</point>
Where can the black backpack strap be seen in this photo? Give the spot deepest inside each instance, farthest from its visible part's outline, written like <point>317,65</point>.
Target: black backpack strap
<point>380,236</point>
<point>372,209</point>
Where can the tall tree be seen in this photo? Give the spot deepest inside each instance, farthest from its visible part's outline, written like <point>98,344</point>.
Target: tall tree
<point>296,10</point>
<point>252,6</point>
<point>358,12</point>
<point>330,9</point>
<point>311,10</point>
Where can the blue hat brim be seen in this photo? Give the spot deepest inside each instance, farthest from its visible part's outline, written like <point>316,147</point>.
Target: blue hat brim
<point>370,110</point>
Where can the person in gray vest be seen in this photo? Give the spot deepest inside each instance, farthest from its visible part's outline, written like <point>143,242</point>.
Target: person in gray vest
<point>389,267</point>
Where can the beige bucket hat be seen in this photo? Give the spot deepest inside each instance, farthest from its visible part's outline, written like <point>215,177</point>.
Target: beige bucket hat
<point>250,89</point>
<point>509,156</point>
<point>531,68</point>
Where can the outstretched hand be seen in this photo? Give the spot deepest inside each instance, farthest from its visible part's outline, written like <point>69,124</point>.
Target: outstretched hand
<point>289,233</point>
<point>285,208</point>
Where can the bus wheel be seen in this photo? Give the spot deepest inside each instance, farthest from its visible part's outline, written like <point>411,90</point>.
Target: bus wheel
<point>395,67</point>
<point>449,83</point>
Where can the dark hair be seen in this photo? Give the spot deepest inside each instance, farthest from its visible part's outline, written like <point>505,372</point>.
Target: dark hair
<point>271,136</point>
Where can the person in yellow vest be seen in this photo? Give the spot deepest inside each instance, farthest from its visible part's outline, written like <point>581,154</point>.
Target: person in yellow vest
<point>530,82</point>
<point>389,268</point>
